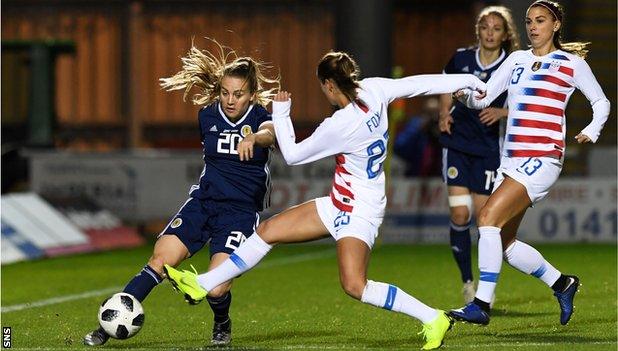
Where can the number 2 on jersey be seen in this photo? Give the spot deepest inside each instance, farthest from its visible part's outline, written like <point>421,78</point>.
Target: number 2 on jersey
<point>376,152</point>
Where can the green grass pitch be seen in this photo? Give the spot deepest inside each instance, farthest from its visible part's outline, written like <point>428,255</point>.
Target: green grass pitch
<point>293,301</point>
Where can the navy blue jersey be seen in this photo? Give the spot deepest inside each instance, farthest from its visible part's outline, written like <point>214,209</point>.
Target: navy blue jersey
<point>468,134</point>
<point>225,178</point>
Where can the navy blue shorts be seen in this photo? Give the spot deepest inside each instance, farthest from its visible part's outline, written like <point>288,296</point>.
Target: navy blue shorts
<point>223,226</point>
<point>476,173</point>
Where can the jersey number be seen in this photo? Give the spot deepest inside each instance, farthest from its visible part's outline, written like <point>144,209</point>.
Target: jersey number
<point>530,167</point>
<point>343,218</point>
<point>228,143</point>
<point>234,240</point>
<point>516,75</point>
<point>376,152</point>
<point>490,176</point>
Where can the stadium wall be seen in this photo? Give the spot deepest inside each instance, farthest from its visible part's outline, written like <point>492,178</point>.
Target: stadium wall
<point>152,186</point>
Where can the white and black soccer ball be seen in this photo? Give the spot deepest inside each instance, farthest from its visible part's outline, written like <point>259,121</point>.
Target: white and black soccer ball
<point>121,315</point>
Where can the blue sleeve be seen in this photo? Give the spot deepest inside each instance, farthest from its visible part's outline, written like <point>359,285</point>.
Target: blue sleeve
<point>264,117</point>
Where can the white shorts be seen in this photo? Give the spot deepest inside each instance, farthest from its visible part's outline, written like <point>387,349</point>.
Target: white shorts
<point>341,224</point>
<point>537,174</point>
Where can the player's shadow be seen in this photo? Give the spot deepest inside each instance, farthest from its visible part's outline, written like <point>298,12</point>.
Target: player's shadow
<point>285,335</point>
<point>543,337</point>
<point>411,342</point>
<point>513,313</point>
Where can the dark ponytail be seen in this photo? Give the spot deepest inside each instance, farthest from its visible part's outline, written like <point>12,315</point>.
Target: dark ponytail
<point>577,48</point>
<point>341,69</point>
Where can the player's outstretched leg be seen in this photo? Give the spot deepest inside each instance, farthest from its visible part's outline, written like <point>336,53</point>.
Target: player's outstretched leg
<point>186,283</point>
<point>434,331</point>
<point>140,286</point>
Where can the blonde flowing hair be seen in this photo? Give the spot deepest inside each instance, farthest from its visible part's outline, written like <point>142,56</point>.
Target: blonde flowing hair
<point>578,48</point>
<point>512,41</point>
<point>204,70</point>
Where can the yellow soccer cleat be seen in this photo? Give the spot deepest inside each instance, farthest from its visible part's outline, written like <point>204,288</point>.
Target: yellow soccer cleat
<point>434,331</point>
<point>186,282</point>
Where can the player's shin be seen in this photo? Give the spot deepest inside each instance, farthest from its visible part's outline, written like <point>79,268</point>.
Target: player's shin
<point>220,306</point>
<point>245,257</point>
<point>527,259</point>
<point>392,298</point>
<point>490,263</point>
<point>142,283</point>
<point>461,247</point>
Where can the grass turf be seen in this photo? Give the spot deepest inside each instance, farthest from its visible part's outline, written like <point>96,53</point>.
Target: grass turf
<point>293,301</point>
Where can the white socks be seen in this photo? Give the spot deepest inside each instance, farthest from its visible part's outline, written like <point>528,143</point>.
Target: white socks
<point>490,262</point>
<point>245,257</point>
<point>392,298</point>
<point>528,260</point>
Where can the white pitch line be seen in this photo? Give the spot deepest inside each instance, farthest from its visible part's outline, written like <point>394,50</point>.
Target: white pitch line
<point>60,299</point>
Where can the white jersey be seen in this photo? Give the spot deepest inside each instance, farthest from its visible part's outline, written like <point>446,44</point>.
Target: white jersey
<point>539,88</point>
<point>358,134</point>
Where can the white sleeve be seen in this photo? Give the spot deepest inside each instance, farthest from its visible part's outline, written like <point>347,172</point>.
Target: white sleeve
<point>588,85</point>
<point>496,85</point>
<point>425,84</point>
<point>325,141</point>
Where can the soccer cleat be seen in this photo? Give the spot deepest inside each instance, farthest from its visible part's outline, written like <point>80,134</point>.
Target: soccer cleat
<point>186,282</point>
<point>471,313</point>
<point>434,331</point>
<point>96,337</point>
<point>468,291</point>
<point>565,299</point>
<point>222,333</point>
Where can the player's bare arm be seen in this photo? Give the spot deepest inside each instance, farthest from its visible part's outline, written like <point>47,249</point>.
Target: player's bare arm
<point>264,137</point>
<point>446,120</point>
<point>491,115</point>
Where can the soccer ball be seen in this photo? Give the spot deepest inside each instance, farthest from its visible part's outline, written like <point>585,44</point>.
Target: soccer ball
<point>121,316</point>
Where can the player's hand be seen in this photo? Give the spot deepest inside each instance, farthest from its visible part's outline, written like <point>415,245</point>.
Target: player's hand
<point>461,94</point>
<point>480,94</point>
<point>444,123</point>
<point>245,147</point>
<point>282,96</point>
<point>582,138</point>
<point>490,115</point>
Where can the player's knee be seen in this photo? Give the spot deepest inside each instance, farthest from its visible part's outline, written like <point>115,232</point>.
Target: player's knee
<point>219,291</point>
<point>353,287</point>
<point>265,231</point>
<point>486,217</point>
<point>460,216</point>
<point>156,262</point>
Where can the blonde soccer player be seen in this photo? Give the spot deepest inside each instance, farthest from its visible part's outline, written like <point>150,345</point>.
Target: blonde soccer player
<point>223,207</point>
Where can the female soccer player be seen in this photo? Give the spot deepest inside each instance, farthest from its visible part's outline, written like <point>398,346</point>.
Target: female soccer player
<point>471,150</point>
<point>539,83</point>
<point>236,134</point>
<point>352,213</point>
